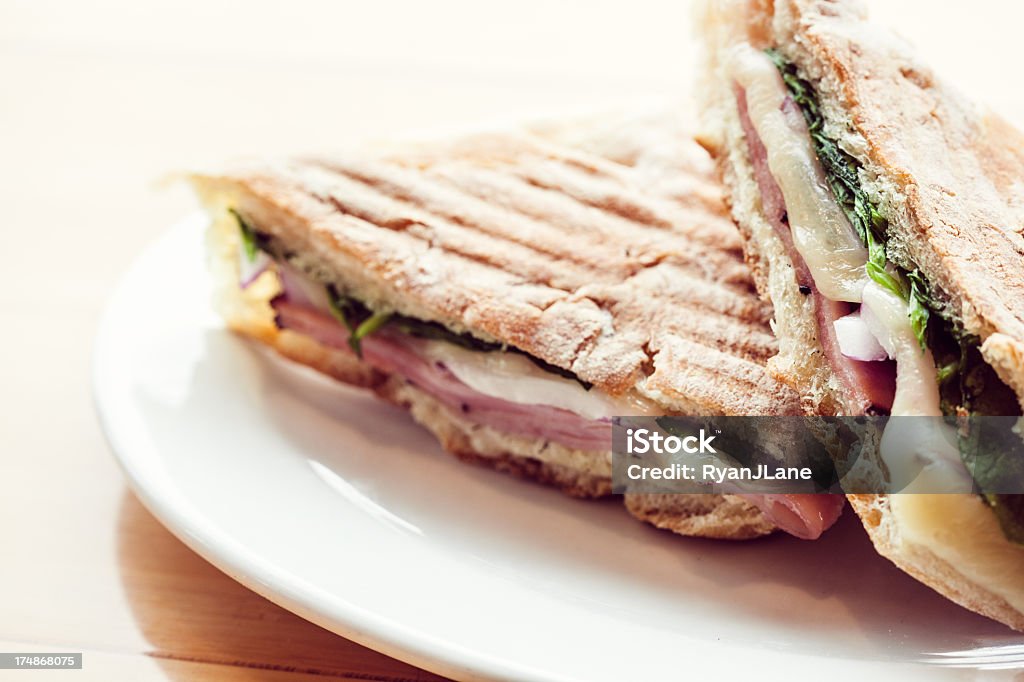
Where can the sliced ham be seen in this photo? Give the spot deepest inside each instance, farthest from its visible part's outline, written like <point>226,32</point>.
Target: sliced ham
<point>398,354</point>
<point>869,386</point>
<point>805,516</point>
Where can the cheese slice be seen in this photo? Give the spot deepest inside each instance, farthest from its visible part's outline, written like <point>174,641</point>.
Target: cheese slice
<point>516,378</point>
<point>921,455</point>
<point>821,233</point>
<point>963,531</point>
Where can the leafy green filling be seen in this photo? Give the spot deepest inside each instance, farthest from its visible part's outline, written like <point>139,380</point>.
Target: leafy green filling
<point>967,383</point>
<point>842,172</point>
<point>359,321</point>
<point>993,452</point>
<point>250,239</point>
<point>1009,509</point>
<point>362,322</point>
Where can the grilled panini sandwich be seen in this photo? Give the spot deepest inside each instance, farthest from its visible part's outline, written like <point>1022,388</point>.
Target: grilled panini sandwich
<point>883,216</point>
<point>515,291</point>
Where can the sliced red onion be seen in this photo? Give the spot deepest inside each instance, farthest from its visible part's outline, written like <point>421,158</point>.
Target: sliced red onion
<point>855,339</point>
<point>301,290</point>
<point>250,270</point>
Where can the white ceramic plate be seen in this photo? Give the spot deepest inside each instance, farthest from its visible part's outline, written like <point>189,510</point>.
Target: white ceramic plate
<point>341,509</point>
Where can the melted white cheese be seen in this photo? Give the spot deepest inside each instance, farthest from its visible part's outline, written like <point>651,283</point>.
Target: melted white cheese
<point>963,531</point>
<point>514,377</point>
<point>821,233</point>
<point>920,452</point>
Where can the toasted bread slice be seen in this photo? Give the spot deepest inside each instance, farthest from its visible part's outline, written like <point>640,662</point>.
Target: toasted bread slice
<point>946,176</point>
<point>601,248</point>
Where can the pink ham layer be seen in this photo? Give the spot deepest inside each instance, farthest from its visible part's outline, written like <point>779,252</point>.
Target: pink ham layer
<point>397,354</point>
<point>869,386</point>
<point>805,516</point>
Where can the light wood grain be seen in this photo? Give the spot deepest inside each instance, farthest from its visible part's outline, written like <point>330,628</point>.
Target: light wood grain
<point>101,100</point>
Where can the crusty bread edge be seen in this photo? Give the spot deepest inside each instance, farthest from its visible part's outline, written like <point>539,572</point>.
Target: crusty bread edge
<point>721,517</point>
<point>921,563</point>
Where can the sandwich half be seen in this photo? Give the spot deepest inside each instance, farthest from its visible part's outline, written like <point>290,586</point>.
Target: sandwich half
<point>515,291</point>
<point>883,216</point>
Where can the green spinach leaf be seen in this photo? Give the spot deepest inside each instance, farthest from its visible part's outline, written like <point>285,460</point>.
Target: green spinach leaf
<point>362,322</point>
<point>250,240</point>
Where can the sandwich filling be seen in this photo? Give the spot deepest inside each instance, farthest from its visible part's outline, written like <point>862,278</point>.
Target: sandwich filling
<point>487,383</point>
<point>888,336</point>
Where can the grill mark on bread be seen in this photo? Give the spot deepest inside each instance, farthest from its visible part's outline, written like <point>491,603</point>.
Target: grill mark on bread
<point>698,225</point>
<point>716,380</point>
<point>595,266</point>
<point>743,333</point>
<point>736,336</point>
<point>595,192</point>
<point>534,267</point>
<point>730,295</point>
<point>646,245</point>
<point>718,324</point>
<point>697,194</point>
<point>464,241</point>
<point>281,200</point>
<point>588,168</point>
<point>678,163</point>
<point>591,162</point>
<point>447,206</point>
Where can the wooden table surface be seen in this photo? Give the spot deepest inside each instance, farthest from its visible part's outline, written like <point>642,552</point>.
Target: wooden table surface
<point>100,101</point>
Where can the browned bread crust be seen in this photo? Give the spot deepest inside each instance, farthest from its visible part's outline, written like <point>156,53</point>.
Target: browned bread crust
<point>520,238</point>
